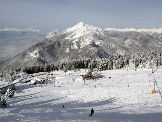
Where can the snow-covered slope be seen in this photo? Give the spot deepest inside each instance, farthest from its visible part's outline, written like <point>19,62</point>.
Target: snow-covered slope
<point>83,34</point>
<point>82,29</point>
<point>120,96</point>
<point>52,34</point>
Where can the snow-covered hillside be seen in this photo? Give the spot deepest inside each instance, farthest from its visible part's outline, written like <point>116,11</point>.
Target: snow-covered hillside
<point>120,96</point>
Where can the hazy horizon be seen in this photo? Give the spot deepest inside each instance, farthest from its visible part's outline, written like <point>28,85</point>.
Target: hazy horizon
<point>47,15</point>
<point>21,29</point>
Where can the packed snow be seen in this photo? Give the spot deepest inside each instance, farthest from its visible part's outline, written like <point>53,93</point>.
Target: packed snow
<point>123,95</point>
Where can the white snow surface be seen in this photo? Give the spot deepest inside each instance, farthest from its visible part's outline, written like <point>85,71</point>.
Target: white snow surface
<point>34,54</point>
<point>82,29</point>
<point>83,34</point>
<point>52,34</point>
<point>120,96</point>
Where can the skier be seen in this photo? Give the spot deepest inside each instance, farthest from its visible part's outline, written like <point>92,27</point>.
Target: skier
<point>92,112</point>
<point>3,103</point>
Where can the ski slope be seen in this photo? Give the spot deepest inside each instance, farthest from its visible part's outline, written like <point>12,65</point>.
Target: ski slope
<point>120,96</point>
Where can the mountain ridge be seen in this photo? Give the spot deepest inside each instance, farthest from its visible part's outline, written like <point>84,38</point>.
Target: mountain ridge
<point>82,24</point>
<point>20,29</point>
<point>84,41</point>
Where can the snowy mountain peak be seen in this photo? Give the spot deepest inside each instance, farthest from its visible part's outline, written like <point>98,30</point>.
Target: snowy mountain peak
<point>82,33</point>
<point>80,24</point>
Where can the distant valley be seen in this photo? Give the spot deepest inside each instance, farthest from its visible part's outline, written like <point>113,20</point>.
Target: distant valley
<point>13,41</point>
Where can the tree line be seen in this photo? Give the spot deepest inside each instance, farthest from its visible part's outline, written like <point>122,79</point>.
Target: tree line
<point>138,60</point>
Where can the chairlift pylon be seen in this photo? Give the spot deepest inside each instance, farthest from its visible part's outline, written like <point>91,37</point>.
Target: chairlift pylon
<point>155,83</point>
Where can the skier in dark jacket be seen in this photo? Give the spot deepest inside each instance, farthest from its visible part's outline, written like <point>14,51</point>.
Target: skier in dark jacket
<point>92,112</point>
<point>3,103</point>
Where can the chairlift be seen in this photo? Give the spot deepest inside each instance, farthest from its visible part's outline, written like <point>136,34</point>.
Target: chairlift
<point>153,91</point>
<point>155,83</point>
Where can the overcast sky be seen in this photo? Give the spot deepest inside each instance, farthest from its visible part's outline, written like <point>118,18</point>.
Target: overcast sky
<point>48,15</point>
